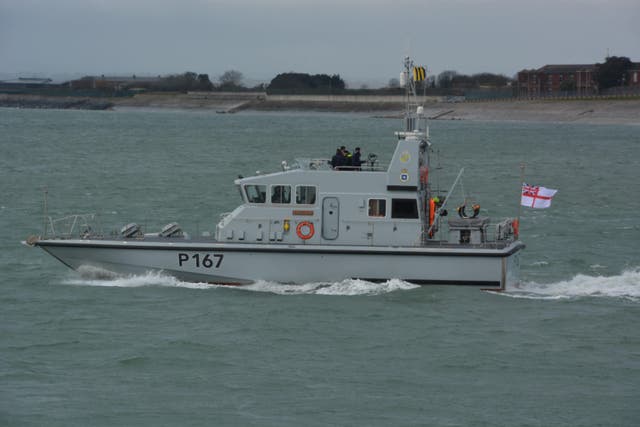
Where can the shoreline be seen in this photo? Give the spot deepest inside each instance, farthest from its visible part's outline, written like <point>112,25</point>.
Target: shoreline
<point>589,111</point>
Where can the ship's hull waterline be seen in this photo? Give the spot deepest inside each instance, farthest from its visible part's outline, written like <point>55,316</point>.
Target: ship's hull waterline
<point>238,264</point>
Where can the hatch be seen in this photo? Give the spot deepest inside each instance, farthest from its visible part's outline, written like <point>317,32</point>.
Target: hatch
<point>330,218</point>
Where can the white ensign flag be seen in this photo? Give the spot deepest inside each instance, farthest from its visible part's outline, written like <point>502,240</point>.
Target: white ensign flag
<point>536,196</point>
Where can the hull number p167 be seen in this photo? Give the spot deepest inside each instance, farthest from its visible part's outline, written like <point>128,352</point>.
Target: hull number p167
<point>200,260</point>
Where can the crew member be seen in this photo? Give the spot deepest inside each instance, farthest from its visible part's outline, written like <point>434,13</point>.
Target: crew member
<point>337,160</point>
<point>356,159</point>
<point>348,159</point>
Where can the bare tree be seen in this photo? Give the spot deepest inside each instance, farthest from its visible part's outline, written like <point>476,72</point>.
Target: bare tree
<point>231,78</point>
<point>445,78</point>
<point>394,83</point>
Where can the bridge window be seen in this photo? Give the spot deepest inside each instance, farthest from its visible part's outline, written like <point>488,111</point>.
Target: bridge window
<point>281,194</point>
<point>377,208</point>
<point>404,208</point>
<point>305,195</point>
<point>256,193</point>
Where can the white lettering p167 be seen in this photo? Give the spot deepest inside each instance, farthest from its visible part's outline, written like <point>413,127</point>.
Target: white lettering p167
<point>200,260</point>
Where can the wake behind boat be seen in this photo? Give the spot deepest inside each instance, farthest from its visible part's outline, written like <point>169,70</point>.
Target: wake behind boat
<point>317,221</point>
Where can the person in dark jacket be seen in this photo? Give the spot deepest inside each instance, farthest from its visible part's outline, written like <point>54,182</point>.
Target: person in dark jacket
<point>338,159</point>
<point>355,160</point>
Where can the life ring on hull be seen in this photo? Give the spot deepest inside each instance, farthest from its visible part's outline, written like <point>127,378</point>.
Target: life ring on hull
<point>305,230</point>
<point>463,213</point>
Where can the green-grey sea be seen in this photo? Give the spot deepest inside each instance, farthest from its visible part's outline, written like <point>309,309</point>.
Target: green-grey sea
<point>562,348</point>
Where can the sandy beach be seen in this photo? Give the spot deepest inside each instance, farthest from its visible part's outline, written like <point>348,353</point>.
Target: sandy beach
<point>597,111</point>
<point>593,111</point>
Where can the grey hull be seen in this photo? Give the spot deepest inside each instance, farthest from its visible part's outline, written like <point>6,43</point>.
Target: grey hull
<point>237,264</point>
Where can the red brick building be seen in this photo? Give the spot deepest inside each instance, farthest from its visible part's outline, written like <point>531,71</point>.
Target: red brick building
<point>575,78</point>
<point>552,79</point>
<point>633,76</point>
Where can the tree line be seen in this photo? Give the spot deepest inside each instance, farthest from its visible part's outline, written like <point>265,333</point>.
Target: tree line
<point>291,83</point>
<point>306,83</point>
<point>611,73</point>
<point>233,81</point>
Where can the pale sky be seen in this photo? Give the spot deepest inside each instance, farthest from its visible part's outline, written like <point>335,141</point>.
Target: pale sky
<point>363,41</point>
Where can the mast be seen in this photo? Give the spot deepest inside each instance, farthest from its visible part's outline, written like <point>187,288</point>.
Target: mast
<point>45,191</point>
<point>416,126</point>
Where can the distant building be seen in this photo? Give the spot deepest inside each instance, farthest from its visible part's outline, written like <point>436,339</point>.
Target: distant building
<point>551,79</point>
<point>25,83</point>
<point>577,78</point>
<point>633,76</point>
<point>114,83</point>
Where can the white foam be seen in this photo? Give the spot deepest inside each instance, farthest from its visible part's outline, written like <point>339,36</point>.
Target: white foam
<point>625,285</point>
<point>345,287</point>
<point>90,276</point>
<point>539,263</point>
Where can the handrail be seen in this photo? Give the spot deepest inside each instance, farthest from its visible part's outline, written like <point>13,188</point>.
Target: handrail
<point>325,164</point>
<point>76,225</point>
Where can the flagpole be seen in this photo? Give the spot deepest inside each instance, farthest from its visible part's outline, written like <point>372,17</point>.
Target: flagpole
<point>517,227</point>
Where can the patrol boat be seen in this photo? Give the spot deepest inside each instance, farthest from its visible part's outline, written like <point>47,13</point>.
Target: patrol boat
<point>309,222</point>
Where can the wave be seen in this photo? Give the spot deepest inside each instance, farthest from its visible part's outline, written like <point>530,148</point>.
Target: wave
<point>625,285</point>
<point>345,287</point>
<point>90,276</point>
<point>539,263</point>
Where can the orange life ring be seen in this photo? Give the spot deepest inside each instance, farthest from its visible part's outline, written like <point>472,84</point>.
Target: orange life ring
<point>305,234</point>
<point>463,214</point>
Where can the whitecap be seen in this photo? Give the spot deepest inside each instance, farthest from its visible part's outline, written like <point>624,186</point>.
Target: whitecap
<point>362,287</point>
<point>539,263</point>
<point>92,276</point>
<point>348,287</point>
<point>625,285</point>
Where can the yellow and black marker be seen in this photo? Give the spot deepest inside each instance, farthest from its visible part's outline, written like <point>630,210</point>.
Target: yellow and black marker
<point>419,74</point>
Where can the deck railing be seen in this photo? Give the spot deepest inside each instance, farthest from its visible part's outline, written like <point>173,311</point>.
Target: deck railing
<point>325,164</point>
<point>72,226</point>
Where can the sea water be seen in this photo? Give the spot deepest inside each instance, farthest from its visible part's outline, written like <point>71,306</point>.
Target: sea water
<point>562,348</point>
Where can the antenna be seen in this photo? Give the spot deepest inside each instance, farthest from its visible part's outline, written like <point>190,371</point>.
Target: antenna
<point>408,50</point>
<point>45,191</point>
